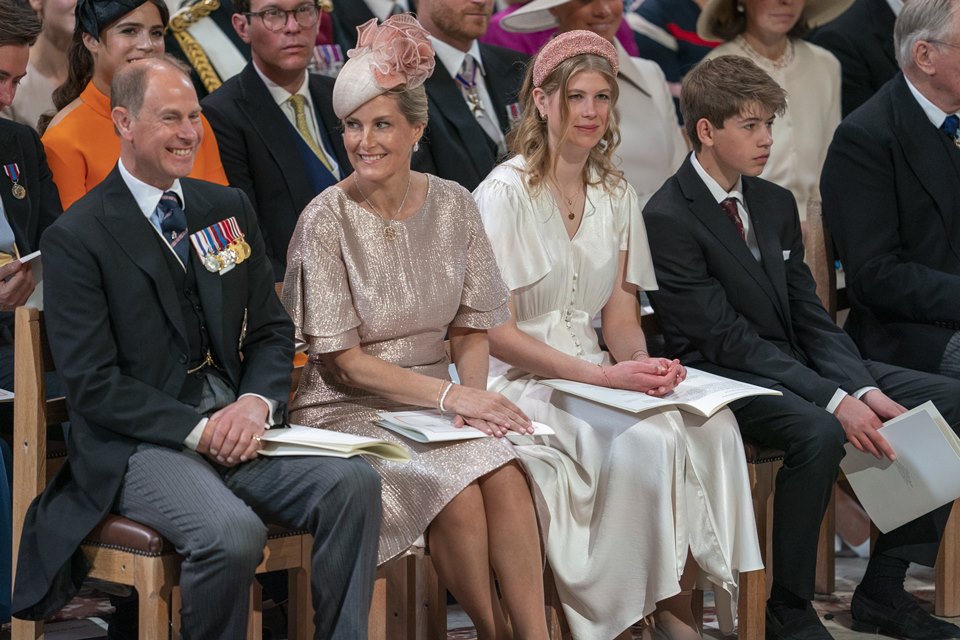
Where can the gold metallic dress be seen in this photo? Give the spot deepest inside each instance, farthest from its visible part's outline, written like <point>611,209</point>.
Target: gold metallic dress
<point>394,293</point>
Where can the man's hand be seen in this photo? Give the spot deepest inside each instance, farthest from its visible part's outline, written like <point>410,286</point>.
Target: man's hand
<point>232,434</point>
<point>860,423</point>
<point>16,285</point>
<point>882,405</point>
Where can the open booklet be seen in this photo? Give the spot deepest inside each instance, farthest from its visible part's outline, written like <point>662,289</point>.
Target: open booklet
<point>36,298</point>
<point>298,440</point>
<point>701,393</point>
<point>430,426</point>
<point>925,475</point>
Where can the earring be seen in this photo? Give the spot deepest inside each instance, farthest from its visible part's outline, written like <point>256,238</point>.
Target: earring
<point>416,146</point>
<point>543,116</point>
<point>740,7</point>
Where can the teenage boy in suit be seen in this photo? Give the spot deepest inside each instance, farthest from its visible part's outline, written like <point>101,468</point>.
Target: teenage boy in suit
<point>736,299</point>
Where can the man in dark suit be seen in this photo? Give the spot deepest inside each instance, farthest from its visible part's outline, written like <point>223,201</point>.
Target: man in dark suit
<point>472,93</point>
<point>737,300</point>
<point>347,15</point>
<point>175,359</point>
<point>862,40</point>
<point>29,202</point>
<point>274,122</point>
<point>890,198</point>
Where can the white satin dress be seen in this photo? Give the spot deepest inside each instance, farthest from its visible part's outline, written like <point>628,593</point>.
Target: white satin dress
<point>626,494</point>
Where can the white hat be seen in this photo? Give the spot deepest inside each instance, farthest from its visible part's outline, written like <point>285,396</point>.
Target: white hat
<point>534,16</point>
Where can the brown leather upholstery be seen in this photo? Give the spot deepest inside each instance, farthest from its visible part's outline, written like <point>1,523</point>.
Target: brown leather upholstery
<point>758,454</point>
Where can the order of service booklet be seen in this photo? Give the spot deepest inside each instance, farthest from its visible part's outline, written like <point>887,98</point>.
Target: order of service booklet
<point>297,440</point>
<point>430,426</point>
<point>925,475</point>
<point>701,393</point>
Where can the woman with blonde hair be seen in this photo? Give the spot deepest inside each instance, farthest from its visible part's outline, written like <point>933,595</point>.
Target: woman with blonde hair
<point>653,495</point>
<point>381,267</point>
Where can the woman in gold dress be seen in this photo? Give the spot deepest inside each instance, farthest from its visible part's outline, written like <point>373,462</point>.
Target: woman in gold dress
<point>381,267</point>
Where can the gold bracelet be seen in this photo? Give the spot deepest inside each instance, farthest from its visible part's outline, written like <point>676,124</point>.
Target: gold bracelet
<point>443,387</point>
<point>640,353</point>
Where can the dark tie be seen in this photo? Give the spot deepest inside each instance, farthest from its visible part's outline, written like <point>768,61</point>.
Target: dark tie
<point>173,225</point>
<point>950,125</point>
<point>729,206</point>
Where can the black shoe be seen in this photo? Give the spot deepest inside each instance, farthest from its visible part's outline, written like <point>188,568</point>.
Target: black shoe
<point>807,627</point>
<point>906,620</point>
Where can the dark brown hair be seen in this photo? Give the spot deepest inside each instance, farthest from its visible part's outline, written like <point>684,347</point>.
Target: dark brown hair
<point>19,24</point>
<point>725,87</point>
<point>728,22</point>
<point>80,70</point>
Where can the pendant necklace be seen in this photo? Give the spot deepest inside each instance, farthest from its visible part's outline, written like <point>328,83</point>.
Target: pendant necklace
<point>388,231</point>
<point>571,210</point>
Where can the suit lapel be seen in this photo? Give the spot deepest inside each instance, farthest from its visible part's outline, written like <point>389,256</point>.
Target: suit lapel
<point>137,238</point>
<point>264,116</point>
<point>706,209</point>
<point>201,214</point>
<point>327,121</point>
<point>17,210</point>
<point>443,90</point>
<point>926,154</point>
<point>771,253</point>
<point>497,77</point>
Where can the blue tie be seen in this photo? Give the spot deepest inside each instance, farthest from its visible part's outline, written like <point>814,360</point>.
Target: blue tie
<point>950,125</point>
<point>173,225</point>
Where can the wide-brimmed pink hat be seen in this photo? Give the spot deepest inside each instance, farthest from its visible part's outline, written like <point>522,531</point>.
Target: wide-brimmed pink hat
<point>389,55</point>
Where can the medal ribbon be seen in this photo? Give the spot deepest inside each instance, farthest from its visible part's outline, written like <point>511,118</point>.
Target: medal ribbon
<point>12,171</point>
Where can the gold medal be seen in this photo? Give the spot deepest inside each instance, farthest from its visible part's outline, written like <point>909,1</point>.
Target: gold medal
<point>19,191</point>
<point>237,252</point>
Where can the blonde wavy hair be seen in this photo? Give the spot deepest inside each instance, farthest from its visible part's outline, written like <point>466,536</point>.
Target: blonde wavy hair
<point>530,139</point>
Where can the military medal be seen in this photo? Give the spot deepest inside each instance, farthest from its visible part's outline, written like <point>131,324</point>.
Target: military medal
<point>13,172</point>
<point>204,248</point>
<point>240,245</point>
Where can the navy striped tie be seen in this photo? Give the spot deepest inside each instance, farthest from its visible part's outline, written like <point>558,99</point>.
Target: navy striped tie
<point>173,225</point>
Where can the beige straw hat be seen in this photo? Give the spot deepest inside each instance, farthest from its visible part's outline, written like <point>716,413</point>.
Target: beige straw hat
<point>718,13</point>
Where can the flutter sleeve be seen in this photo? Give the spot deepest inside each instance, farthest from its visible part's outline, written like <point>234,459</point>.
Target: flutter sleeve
<point>510,219</point>
<point>633,240</point>
<point>483,303</point>
<point>316,290</point>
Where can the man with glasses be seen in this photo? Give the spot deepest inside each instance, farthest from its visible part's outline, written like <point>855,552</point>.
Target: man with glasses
<point>274,121</point>
<point>891,199</point>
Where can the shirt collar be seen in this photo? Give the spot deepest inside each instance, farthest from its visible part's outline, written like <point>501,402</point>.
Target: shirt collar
<point>718,192</point>
<point>147,196</point>
<point>382,8</point>
<point>452,58</point>
<point>281,95</point>
<point>932,111</point>
<point>896,6</point>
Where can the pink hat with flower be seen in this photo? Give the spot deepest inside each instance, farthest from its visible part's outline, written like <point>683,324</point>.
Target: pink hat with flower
<point>389,55</point>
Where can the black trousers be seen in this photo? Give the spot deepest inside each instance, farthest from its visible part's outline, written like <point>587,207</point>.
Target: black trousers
<point>813,440</point>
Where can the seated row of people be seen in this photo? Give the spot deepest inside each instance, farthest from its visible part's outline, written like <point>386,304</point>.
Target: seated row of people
<point>359,251</point>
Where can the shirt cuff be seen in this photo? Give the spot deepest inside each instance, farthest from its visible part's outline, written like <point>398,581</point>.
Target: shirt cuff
<point>835,401</point>
<point>859,393</point>
<point>193,438</point>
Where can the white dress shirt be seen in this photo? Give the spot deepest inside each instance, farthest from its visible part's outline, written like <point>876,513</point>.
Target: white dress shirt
<point>934,114</point>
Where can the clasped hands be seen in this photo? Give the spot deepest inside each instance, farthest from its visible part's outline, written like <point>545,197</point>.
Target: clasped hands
<point>232,434</point>
<point>16,285</point>
<point>652,376</point>
<point>861,418</point>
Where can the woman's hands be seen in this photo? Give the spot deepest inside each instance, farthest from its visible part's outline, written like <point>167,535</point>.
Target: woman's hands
<point>653,376</point>
<point>487,411</point>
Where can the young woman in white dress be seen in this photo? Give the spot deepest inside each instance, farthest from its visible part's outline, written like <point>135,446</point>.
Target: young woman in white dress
<point>636,502</point>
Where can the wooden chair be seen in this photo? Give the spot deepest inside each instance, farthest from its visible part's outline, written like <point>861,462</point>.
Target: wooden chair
<point>120,550</point>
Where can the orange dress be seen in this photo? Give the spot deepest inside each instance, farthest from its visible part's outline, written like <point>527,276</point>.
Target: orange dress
<point>83,148</point>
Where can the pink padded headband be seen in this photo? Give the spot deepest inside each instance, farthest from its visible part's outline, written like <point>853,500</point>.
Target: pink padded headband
<point>570,44</point>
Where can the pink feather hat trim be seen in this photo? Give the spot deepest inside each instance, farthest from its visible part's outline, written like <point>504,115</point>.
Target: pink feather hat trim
<point>570,44</point>
<point>395,53</point>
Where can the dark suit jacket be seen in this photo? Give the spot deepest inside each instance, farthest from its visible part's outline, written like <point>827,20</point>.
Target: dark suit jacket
<point>862,40</point>
<point>891,201</point>
<point>454,145</point>
<point>722,311</point>
<point>29,217</point>
<point>258,151</point>
<point>117,335</point>
<point>347,15</point>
